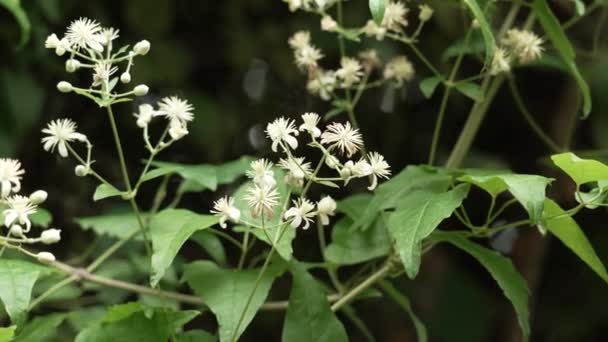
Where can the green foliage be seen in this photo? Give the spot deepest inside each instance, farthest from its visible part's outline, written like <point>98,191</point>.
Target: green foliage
<point>470,90</point>
<point>581,171</point>
<point>212,245</point>
<point>14,7</point>
<point>226,292</point>
<point>309,317</point>
<point>6,334</point>
<point>429,84</point>
<point>169,229</point>
<point>486,30</point>
<point>377,8</point>
<point>502,270</point>
<point>106,191</point>
<point>196,336</point>
<point>417,215</point>
<point>114,225</point>
<point>351,246</point>
<point>41,329</point>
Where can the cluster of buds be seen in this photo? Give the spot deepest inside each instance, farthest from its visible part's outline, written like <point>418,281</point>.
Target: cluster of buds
<point>337,141</point>
<point>309,5</point>
<point>395,21</point>
<point>522,46</point>
<point>90,46</point>
<point>17,209</point>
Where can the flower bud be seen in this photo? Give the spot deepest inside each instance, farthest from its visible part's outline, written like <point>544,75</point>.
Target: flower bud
<point>50,236</point>
<point>16,231</point>
<point>331,161</point>
<point>141,90</point>
<point>64,87</point>
<point>45,257</point>
<point>328,24</point>
<point>81,171</point>
<point>142,47</point>
<point>72,65</point>
<point>125,77</point>
<point>38,197</point>
<point>426,12</point>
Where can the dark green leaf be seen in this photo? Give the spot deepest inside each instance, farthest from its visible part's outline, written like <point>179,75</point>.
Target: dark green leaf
<point>122,311</point>
<point>115,225</point>
<point>212,245</point>
<point>351,246</point>
<point>41,329</point>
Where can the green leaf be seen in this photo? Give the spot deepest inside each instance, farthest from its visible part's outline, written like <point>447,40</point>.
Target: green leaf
<point>428,85</point>
<point>105,191</point>
<point>196,336</point>
<point>122,311</point>
<point>502,270</point>
<point>486,30</point>
<point>415,218</point>
<point>309,317</point>
<point>17,278</point>
<point>41,329</point>
<point>470,90</point>
<point>6,334</point>
<point>560,41</point>
<point>377,8</point>
<point>115,225</point>
<point>581,170</point>
<point>169,229</point>
<point>14,7</point>
<point>354,206</point>
<point>389,193</point>
<point>570,234</point>
<point>529,190</point>
<point>351,246</point>
<point>159,172</point>
<point>226,291</point>
<point>41,217</point>
<point>212,244</point>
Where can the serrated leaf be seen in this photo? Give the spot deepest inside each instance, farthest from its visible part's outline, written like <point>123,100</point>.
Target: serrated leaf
<point>570,234</point>
<point>14,7</point>
<point>529,190</point>
<point>486,29</point>
<point>41,329</point>
<point>351,246</point>
<point>17,278</point>
<point>502,270</point>
<point>105,191</point>
<point>377,8</point>
<point>560,41</point>
<point>428,86</point>
<point>226,291</point>
<point>115,225</point>
<point>169,230</point>
<point>581,170</point>
<point>309,317</point>
<point>470,90</point>
<point>416,217</point>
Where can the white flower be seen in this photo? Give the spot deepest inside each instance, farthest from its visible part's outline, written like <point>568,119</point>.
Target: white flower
<point>350,71</point>
<point>38,197</point>
<point>262,200</point>
<point>311,120</point>
<point>369,59</point>
<point>261,173</point>
<point>175,108</point>
<point>323,84</point>
<point>50,236</point>
<point>524,44</point>
<point>299,40</point>
<point>295,5</point>
<point>107,35</point>
<point>10,176</point>
<point>85,33</point>
<point>501,62</point>
<point>307,57</point>
<point>426,12</point>
<point>45,257</point>
<point>343,136</point>
<point>372,29</point>
<point>296,167</point>
<point>102,73</point>
<point>225,209</point>
<point>361,169</point>
<point>400,69</point>
<point>326,207</point>
<point>19,208</point>
<point>60,46</point>
<point>301,211</point>
<point>177,129</point>
<point>329,24</point>
<point>142,47</point>
<point>379,168</point>
<point>394,16</point>
<point>145,115</point>
<point>282,130</point>
<point>60,132</point>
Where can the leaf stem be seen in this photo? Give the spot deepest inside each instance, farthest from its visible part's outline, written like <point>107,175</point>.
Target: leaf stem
<point>371,280</point>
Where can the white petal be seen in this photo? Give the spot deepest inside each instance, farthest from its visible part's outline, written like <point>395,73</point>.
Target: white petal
<point>63,151</point>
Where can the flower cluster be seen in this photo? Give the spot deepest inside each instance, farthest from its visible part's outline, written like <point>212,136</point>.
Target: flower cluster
<point>338,140</point>
<point>395,21</point>
<point>16,210</point>
<point>522,46</point>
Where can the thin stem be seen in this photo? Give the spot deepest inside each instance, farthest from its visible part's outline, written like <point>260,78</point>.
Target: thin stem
<point>244,249</point>
<point>82,162</point>
<point>438,124</point>
<point>331,271</point>
<point>121,157</point>
<point>371,280</point>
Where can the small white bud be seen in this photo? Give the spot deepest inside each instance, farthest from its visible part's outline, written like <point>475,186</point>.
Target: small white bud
<point>72,65</point>
<point>142,47</point>
<point>50,236</point>
<point>16,231</point>
<point>328,24</point>
<point>125,77</point>
<point>81,171</point>
<point>64,87</point>
<point>45,257</point>
<point>38,197</point>
<point>141,90</point>
<point>426,12</point>
<point>331,162</point>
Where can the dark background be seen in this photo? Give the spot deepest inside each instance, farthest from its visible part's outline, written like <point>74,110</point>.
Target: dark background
<point>231,60</point>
